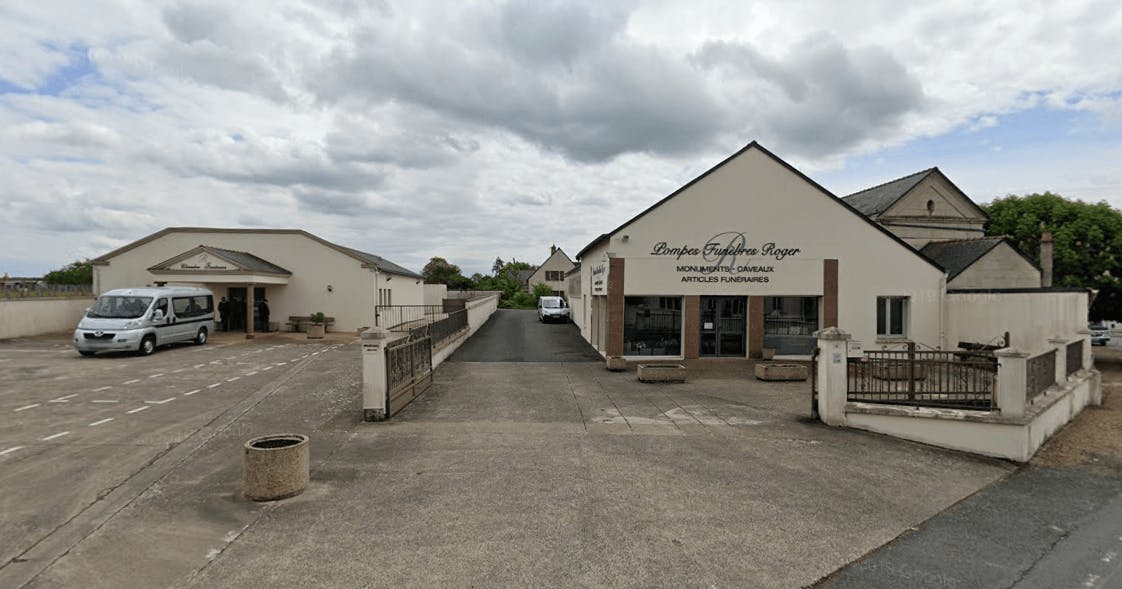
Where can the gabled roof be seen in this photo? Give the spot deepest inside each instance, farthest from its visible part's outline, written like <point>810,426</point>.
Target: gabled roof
<point>878,199</point>
<point>790,168</point>
<point>875,201</point>
<point>368,260</point>
<point>524,275</point>
<point>956,255</point>
<point>245,261</point>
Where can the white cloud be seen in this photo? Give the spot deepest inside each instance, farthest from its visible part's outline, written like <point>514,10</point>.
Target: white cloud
<point>482,129</point>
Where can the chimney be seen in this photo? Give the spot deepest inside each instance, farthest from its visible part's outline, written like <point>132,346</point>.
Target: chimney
<point>1046,259</point>
<point>552,249</point>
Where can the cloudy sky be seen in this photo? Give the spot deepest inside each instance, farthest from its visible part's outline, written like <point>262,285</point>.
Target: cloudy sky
<point>471,130</point>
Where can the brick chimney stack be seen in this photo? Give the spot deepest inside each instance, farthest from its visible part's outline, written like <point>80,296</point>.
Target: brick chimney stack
<point>552,249</point>
<point>1046,259</point>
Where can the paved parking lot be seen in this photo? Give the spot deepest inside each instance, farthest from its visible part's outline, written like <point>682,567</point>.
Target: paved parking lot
<point>502,474</point>
<point>74,428</point>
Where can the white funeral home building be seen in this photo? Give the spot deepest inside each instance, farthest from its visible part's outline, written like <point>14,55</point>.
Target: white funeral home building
<point>296,272</point>
<point>753,254</point>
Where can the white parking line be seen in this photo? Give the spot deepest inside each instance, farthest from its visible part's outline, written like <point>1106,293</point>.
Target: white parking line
<point>211,386</point>
<point>62,399</point>
<point>137,410</point>
<point>100,421</point>
<point>266,368</point>
<point>315,353</point>
<point>133,381</point>
<point>251,373</point>
<point>104,401</point>
<point>215,361</point>
<point>232,378</point>
<point>99,389</point>
<point>281,363</point>
<point>53,436</point>
<point>168,400</point>
<point>189,393</point>
<point>178,371</point>
<point>199,365</point>
<point>10,450</point>
<point>26,407</point>
<point>156,375</point>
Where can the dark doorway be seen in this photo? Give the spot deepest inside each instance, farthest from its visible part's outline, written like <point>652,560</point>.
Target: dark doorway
<point>724,326</point>
<point>236,295</point>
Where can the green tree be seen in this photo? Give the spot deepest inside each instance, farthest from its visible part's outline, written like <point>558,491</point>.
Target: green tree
<point>441,271</point>
<point>542,289</point>
<point>1087,237</point>
<point>80,273</point>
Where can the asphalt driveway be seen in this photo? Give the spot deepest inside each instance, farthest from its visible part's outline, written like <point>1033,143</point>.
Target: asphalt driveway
<point>515,335</point>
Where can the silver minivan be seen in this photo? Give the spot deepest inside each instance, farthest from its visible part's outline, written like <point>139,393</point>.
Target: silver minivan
<point>141,319</point>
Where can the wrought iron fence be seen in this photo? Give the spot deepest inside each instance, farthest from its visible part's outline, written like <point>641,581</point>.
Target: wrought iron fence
<point>408,371</point>
<point>1074,356</point>
<point>1040,374</point>
<point>964,380</point>
<point>402,318</point>
<point>449,326</point>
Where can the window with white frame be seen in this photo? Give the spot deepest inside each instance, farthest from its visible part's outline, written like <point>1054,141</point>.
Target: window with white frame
<point>892,316</point>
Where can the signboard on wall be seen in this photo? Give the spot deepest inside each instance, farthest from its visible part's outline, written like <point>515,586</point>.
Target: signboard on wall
<point>600,278</point>
<point>727,263</point>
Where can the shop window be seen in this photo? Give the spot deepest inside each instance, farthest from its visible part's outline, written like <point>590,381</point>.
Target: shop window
<point>652,326</point>
<point>790,323</point>
<point>892,316</point>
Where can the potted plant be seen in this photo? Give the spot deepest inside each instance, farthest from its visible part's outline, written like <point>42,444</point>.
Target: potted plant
<point>316,327</point>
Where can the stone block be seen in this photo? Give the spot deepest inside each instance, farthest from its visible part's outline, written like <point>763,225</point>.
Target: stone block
<point>662,373</point>
<point>777,371</point>
<point>617,364</point>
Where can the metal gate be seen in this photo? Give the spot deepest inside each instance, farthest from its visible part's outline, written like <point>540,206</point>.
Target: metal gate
<point>408,372</point>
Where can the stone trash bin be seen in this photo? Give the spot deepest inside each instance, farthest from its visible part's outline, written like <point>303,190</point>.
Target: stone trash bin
<point>275,467</point>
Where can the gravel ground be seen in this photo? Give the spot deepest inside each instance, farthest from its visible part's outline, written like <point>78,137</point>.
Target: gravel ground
<point>1094,438</point>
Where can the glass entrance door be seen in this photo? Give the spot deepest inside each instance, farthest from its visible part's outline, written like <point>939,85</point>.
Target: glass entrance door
<point>724,326</point>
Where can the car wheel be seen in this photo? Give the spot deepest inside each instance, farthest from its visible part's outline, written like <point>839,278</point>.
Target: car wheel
<point>147,345</point>
<point>86,353</point>
<point>200,338</point>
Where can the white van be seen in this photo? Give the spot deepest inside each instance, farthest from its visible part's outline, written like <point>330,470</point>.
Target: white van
<point>140,319</point>
<point>552,309</point>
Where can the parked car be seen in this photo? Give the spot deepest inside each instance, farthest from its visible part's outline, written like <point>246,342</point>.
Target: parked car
<point>552,309</point>
<point>140,319</point>
<point>1100,334</point>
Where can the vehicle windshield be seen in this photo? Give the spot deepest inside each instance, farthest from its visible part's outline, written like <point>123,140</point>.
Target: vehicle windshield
<point>552,303</point>
<point>119,307</point>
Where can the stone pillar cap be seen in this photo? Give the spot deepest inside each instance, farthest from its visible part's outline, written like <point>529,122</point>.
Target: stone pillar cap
<point>831,333</point>
<point>375,333</point>
<point>1011,353</point>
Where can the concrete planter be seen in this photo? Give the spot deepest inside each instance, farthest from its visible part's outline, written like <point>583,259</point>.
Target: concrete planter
<point>776,371</point>
<point>275,467</point>
<point>617,363</point>
<point>662,373</point>
<point>316,330</point>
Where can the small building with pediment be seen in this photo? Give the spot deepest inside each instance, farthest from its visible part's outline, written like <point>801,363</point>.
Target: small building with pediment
<point>296,272</point>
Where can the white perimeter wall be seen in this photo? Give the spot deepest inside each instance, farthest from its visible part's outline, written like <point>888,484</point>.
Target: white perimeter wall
<point>1030,318</point>
<point>479,311</point>
<point>435,294</point>
<point>27,317</point>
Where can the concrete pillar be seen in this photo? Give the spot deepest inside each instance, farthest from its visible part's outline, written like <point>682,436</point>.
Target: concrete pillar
<point>755,327</point>
<point>1060,345</point>
<point>374,386</point>
<point>249,305</point>
<point>829,293</point>
<point>691,323</point>
<point>833,385</point>
<point>615,306</point>
<point>1012,380</point>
